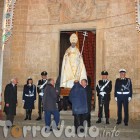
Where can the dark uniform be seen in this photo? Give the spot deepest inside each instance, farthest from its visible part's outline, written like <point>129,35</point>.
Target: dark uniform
<point>29,97</point>
<point>40,91</point>
<point>123,91</point>
<point>104,88</point>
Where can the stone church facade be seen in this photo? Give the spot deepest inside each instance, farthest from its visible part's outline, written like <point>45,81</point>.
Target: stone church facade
<point>34,45</point>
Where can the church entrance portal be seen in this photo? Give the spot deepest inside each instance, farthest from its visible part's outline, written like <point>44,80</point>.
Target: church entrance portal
<point>89,54</point>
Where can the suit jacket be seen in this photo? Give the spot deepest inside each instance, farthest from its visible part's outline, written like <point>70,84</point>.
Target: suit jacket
<point>10,97</point>
<point>78,98</point>
<point>49,98</point>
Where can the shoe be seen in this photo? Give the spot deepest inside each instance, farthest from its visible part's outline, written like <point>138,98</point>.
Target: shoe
<point>26,118</point>
<point>58,128</point>
<point>39,118</point>
<point>126,124</point>
<point>118,123</point>
<point>99,121</point>
<point>48,130</point>
<point>51,129</point>
<point>8,127</point>
<point>29,118</point>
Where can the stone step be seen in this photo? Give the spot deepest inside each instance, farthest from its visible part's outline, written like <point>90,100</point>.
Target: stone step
<point>68,115</point>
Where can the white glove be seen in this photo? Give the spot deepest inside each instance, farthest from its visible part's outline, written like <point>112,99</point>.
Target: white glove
<point>116,99</point>
<point>129,99</point>
<point>34,101</point>
<point>61,97</point>
<point>23,101</point>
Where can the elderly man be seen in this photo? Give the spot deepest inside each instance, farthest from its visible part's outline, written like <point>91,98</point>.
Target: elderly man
<point>73,67</point>
<point>10,98</point>
<point>78,98</point>
<point>49,104</point>
<point>123,95</point>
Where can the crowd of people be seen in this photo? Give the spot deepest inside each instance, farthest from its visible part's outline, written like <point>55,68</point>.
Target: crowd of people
<point>80,98</point>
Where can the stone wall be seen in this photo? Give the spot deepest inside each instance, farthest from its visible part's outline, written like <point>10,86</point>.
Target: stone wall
<point>121,45</point>
<point>34,46</point>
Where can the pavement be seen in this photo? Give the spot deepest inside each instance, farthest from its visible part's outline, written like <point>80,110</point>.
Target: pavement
<point>34,130</point>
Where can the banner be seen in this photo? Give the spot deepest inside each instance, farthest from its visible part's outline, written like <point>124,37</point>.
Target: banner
<point>7,23</point>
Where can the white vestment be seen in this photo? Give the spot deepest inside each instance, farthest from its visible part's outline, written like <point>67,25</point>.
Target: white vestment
<point>73,68</point>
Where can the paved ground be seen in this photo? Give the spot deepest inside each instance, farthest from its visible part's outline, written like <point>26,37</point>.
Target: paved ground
<point>96,132</point>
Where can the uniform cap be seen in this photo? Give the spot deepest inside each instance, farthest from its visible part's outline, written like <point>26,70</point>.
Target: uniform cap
<point>44,73</point>
<point>104,73</point>
<point>122,70</point>
<point>29,78</point>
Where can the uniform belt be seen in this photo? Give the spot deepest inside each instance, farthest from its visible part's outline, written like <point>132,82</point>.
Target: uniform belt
<point>102,93</point>
<point>122,92</point>
<point>29,95</point>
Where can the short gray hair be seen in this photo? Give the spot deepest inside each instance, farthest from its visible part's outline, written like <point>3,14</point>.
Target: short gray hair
<point>13,79</point>
<point>50,80</point>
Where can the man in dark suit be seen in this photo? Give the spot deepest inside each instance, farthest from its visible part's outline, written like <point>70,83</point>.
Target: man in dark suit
<point>40,89</point>
<point>104,88</point>
<point>123,95</point>
<point>88,89</point>
<point>10,98</point>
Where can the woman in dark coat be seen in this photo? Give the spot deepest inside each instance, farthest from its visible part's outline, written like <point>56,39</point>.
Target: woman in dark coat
<point>29,97</point>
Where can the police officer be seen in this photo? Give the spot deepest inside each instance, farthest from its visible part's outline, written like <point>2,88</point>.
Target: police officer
<point>123,94</point>
<point>29,97</point>
<point>103,89</point>
<point>40,89</point>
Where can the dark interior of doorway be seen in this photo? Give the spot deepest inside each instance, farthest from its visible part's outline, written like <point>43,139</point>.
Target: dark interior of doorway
<point>89,53</point>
